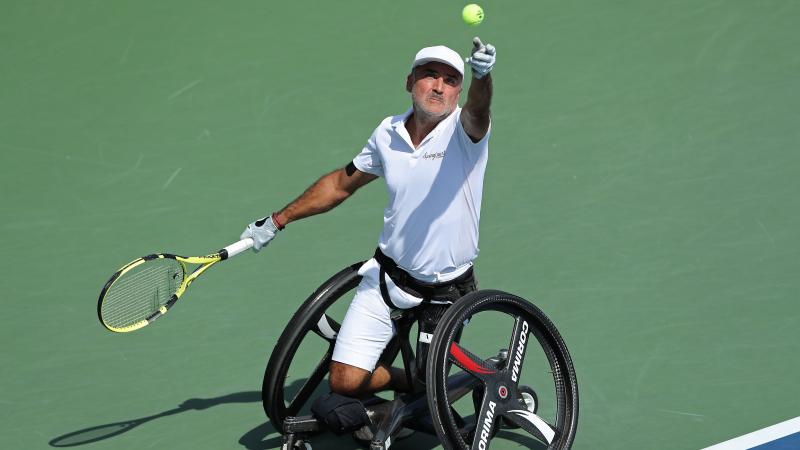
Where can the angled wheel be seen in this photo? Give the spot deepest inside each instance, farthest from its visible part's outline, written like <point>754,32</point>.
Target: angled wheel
<point>312,330</point>
<point>529,384</point>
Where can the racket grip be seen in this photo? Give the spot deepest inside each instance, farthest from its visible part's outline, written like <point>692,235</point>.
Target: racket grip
<point>236,248</point>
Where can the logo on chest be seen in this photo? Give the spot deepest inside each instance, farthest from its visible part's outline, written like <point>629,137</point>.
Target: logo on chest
<point>433,156</point>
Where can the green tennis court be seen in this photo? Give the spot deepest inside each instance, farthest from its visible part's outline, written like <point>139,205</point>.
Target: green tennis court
<point>642,190</point>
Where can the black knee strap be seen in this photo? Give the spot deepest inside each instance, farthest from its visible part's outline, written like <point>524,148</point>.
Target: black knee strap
<point>341,414</point>
<point>385,289</point>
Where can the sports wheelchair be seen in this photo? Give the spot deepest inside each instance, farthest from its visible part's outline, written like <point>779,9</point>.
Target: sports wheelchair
<point>462,398</point>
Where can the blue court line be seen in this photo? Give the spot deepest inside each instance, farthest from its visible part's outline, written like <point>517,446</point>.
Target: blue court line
<point>781,436</point>
<point>790,442</point>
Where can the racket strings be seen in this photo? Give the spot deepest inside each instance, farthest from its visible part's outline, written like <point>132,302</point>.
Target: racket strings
<point>137,294</point>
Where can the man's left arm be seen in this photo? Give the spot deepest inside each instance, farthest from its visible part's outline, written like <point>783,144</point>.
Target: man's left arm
<point>476,113</point>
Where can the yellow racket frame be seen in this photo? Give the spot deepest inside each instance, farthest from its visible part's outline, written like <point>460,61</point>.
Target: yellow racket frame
<point>204,261</point>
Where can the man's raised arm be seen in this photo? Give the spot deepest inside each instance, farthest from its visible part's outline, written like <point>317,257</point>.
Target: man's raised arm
<point>475,116</point>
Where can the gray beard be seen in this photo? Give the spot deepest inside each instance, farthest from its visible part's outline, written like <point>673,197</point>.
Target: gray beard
<point>429,116</point>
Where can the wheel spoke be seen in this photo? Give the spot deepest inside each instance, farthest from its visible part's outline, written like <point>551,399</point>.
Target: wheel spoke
<point>470,363</point>
<point>516,350</point>
<point>327,328</point>
<point>485,424</point>
<point>311,384</point>
<point>532,423</point>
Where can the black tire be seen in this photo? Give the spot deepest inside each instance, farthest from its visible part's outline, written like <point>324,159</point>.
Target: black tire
<point>499,385</point>
<point>303,322</point>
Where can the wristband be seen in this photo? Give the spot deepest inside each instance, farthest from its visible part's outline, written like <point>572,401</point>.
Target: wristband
<point>279,225</point>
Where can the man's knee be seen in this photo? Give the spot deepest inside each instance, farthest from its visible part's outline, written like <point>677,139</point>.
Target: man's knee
<point>348,380</point>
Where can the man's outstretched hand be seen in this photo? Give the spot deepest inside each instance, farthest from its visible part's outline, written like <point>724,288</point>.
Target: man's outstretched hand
<point>482,58</point>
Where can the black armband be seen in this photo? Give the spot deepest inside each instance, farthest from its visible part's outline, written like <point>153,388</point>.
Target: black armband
<point>350,169</point>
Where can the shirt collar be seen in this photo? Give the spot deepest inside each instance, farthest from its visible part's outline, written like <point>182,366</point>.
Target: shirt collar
<point>400,120</point>
<point>398,124</point>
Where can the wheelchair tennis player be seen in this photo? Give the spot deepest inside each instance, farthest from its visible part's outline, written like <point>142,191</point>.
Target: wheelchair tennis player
<point>433,159</point>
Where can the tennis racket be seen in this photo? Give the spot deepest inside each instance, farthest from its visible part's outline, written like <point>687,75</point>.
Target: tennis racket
<point>146,288</point>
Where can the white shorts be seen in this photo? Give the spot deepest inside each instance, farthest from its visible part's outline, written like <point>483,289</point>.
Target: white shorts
<point>367,327</point>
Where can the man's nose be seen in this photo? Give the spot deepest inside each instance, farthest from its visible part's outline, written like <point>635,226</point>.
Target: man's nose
<point>438,85</point>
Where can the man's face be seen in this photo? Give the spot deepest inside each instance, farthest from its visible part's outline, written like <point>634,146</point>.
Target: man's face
<point>434,88</point>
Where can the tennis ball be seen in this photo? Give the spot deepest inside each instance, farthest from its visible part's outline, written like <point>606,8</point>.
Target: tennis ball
<point>472,14</point>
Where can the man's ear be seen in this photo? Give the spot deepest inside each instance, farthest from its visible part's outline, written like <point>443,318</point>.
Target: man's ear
<point>409,81</point>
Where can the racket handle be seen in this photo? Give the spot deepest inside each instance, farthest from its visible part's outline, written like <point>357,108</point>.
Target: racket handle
<point>236,248</point>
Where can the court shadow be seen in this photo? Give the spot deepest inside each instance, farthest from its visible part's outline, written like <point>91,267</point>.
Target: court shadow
<point>254,440</point>
<point>106,431</point>
<point>523,440</point>
<point>265,436</point>
<point>517,436</point>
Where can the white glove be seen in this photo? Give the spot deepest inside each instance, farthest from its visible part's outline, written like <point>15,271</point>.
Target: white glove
<point>261,232</point>
<point>482,59</point>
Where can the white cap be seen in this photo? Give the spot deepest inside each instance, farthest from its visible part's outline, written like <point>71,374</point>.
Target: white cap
<point>441,54</point>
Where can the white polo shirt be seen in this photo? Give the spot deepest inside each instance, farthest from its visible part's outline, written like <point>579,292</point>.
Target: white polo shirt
<point>430,225</point>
